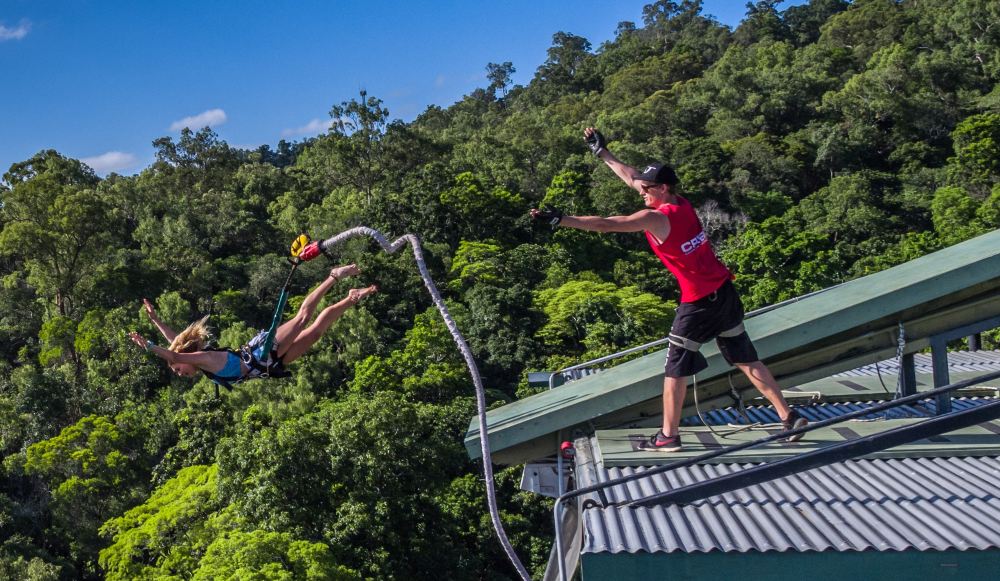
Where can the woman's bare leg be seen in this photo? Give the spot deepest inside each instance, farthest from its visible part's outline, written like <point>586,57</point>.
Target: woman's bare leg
<point>307,338</point>
<point>291,328</point>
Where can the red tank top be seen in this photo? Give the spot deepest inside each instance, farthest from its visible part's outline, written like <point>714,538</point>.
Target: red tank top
<point>688,254</point>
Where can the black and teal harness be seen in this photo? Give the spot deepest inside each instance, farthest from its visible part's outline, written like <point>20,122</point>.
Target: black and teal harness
<point>262,361</point>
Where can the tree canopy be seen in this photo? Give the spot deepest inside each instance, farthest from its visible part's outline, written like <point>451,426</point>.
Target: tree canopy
<point>818,143</point>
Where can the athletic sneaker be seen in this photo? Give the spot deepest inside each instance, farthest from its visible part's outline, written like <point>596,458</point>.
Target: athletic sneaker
<point>793,421</point>
<point>662,443</point>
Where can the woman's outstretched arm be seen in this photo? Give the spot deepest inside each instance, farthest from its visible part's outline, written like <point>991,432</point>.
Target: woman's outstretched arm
<point>211,361</point>
<point>165,330</point>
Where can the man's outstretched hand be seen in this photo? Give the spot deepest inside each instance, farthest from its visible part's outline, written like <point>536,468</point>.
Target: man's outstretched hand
<point>550,215</point>
<point>595,141</point>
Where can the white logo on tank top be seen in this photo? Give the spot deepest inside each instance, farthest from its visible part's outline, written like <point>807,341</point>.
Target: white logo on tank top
<point>693,244</point>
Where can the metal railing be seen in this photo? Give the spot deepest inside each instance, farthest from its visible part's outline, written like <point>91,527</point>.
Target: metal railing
<point>598,361</point>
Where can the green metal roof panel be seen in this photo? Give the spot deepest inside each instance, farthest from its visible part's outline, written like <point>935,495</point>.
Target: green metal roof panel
<point>820,334</point>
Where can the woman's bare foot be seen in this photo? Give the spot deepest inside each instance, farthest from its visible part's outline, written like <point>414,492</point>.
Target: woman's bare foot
<point>342,272</point>
<point>356,294</point>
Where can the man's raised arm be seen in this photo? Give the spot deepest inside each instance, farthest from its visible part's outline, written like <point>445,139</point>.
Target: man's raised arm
<point>598,145</point>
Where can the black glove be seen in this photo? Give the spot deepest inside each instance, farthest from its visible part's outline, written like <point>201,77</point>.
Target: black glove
<point>596,142</point>
<point>550,215</point>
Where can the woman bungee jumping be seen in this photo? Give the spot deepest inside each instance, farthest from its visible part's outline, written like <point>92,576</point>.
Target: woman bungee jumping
<point>188,352</point>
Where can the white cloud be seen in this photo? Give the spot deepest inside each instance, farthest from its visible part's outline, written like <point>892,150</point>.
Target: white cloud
<point>312,128</point>
<point>15,33</point>
<point>439,81</point>
<point>209,118</point>
<point>110,161</point>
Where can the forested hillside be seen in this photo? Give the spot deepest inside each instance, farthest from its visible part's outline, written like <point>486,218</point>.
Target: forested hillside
<point>819,143</point>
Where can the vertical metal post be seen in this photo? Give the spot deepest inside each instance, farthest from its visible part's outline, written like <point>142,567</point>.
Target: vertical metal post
<point>557,515</point>
<point>909,375</point>
<point>559,464</point>
<point>974,340</point>
<point>939,360</point>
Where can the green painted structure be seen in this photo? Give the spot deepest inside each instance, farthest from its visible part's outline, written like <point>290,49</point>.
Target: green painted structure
<point>812,565</point>
<point>846,326</point>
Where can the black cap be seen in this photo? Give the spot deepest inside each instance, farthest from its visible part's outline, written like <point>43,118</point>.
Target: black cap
<point>658,174</point>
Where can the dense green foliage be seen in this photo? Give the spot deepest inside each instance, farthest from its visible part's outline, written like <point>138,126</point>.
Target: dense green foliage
<point>821,143</point>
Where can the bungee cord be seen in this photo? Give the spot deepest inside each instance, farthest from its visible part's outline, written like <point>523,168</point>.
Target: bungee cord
<point>470,362</point>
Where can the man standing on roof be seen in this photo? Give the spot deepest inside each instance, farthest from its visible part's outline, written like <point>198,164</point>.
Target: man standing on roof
<point>709,307</point>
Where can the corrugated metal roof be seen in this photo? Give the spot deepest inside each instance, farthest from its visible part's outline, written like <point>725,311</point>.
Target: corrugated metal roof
<point>926,504</point>
<point>958,361</point>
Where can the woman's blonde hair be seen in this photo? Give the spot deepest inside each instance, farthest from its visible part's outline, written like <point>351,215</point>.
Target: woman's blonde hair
<point>193,338</point>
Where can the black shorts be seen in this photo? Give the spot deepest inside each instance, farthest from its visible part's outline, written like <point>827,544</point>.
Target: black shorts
<point>703,320</point>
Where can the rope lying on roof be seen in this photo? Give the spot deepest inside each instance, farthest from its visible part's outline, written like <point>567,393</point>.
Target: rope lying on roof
<point>466,353</point>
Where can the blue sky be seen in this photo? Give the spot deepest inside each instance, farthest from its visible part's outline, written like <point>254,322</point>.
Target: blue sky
<point>100,80</point>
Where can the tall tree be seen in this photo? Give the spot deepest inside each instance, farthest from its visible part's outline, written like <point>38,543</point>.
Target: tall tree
<point>499,76</point>
<point>564,70</point>
<point>59,226</point>
<point>359,126</point>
